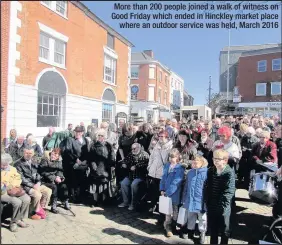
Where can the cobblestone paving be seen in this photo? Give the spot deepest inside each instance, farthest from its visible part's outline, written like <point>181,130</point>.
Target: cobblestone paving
<point>120,226</point>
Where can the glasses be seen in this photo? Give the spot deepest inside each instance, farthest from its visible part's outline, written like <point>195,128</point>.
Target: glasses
<point>161,136</point>
<point>100,135</point>
<point>156,128</point>
<point>218,159</point>
<point>134,148</point>
<point>161,120</point>
<point>221,136</point>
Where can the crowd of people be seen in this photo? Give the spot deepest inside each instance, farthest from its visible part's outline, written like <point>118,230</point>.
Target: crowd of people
<point>196,163</point>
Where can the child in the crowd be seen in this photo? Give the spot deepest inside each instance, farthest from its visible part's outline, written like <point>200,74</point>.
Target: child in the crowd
<point>218,193</point>
<point>192,198</point>
<point>170,186</point>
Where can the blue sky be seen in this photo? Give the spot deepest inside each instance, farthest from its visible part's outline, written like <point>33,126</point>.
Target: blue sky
<point>191,53</point>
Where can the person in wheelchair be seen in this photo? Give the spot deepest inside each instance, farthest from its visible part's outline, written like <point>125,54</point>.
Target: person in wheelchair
<point>136,163</point>
<point>264,151</point>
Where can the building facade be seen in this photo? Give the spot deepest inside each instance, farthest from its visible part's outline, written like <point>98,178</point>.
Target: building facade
<point>150,87</point>
<point>235,53</point>
<point>65,66</point>
<point>259,81</point>
<point>188,100</point>
<point>176,92</point>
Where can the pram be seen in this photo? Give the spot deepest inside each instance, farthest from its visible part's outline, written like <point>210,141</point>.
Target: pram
<point>264,189</point>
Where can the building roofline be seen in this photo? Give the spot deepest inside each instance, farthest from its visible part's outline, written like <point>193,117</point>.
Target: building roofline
<point>100,22</point>
<point>251,45</point>
<point>144,62</point>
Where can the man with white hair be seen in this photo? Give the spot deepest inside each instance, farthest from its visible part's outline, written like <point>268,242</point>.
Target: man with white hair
<point>136,164</point>
<point>15,149</point>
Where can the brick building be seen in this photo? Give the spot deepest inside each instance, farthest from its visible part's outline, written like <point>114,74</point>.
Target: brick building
<point>5,24</point>
<point>259,81</point>
<point>65,66</point>
<point>150,87</point>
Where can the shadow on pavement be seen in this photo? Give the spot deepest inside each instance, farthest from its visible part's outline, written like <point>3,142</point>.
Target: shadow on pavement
<point>250,227</point>
<point>134,219</point>
<point>135,238</point>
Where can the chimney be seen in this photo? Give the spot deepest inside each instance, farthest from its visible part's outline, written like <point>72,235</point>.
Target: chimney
<point>149,53</point>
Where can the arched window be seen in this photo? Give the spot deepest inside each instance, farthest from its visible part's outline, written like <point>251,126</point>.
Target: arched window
<point>109,100</point>
<point>51,98</point>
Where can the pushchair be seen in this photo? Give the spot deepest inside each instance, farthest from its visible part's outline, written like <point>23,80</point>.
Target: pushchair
<point>265,188</point>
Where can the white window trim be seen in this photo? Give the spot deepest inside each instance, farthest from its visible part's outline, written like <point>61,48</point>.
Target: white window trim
<point>110,52</point>
<point>280,64</point>
<point>280,88</point>
<point>53,8</point>
<point>257,91</point>
<point>53,33</point>
<point>259,65</point>
<point>114,84</point>
<point>151,85</point>
<point>152,78</point>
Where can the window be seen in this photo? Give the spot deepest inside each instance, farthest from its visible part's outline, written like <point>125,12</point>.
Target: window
<point>159,95</point>
<point>166,80</point>
<point>151,93</point>
<point>151,72</point>
<point>262,66</point>
<point>276,64</point>
<point>109,69</point>
<point>60,7</point>
<point>48,110</point>
<point>51,50</point>
<point>161,77</point>
<point>275,88</point>
<point>111,41</point>
<point>260,89</point>
<point>107,112</point>
<point>172,82</point>
<point>165,98</point>
<point>134,71</point>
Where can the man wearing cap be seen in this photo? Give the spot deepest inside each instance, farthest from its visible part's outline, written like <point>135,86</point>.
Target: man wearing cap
<point>74,153</point>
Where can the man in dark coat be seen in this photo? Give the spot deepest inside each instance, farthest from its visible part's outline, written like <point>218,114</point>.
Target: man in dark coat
<point>47,138</point>
<point>74,154</point>
<point>15,149</point>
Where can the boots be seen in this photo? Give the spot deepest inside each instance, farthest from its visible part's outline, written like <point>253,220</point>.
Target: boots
<point>190,234</point>
<point>202,238</point>
<point>67,205</point>
<point>183,232</point>
<point>54,205</point>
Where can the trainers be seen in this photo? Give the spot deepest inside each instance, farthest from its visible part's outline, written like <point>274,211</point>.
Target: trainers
<point>13,227</point>
<point>22,224</point>
<point>131,208</point>
<point>35,217</point>
<point>123,205</point>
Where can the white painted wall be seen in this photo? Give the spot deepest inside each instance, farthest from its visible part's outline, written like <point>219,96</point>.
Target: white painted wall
<point>174,77</point>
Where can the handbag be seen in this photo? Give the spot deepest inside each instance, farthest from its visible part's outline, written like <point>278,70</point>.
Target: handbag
<point>16,192</point>
<point>182,216</point>
<point>165,205</point>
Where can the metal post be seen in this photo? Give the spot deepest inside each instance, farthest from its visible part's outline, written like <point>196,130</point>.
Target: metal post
<point>228,64</point>
<point>209,90</point>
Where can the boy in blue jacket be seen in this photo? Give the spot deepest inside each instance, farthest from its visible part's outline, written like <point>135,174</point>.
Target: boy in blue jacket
<point>193,200</point>
<point>170,186</point>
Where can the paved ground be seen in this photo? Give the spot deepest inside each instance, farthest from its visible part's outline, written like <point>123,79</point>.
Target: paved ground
<point>120,226</point>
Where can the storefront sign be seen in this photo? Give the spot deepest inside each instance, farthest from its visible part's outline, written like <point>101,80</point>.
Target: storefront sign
<point>236,99</point>
<point>261,105</point>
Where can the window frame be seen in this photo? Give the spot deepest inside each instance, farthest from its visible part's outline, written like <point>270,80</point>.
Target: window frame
<point>160,95</point>
<point>271,91</point>
<point>154,69</point>
<point>259,66</point>
<point>51,58</point>
<point>134,66</point>
<point>109,34</point>
<point>53,7</point>
<point>111,105</point>
<point>160,76</point>
<point>278,59</point>
<point>258,84</point>
<point>113,75</point>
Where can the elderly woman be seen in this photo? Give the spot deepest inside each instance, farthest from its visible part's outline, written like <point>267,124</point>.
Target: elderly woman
<point>247,143</point>
<point>157,160</point>
<point>15,149</point>
<point>101,160</point>
<point>31,142</point>
<point>155,138</point>
<point>51,171</point>
<point>12,193</point>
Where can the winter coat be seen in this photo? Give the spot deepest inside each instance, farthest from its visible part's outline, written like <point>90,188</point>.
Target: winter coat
<point>140,162</point>
<point>49,170</point>
<point>100,160</point>
<point>214,136</point>
<point>236,141</point>
<point>219,189</point>
<point>11,178</point>
<point>144,139</point>
<point>158,158</point>
<point>267,154</point>
<point>37,150</point>
<point>45,141</point>
<point>247,144</point>
<point>192,197</point>
<point>30,175</point>
<point>171,182</point>
<point>205,147</point>
<point>279,151</point>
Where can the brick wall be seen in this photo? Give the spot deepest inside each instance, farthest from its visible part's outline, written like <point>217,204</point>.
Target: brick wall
<point>5,24</point>
<point>84,56</point>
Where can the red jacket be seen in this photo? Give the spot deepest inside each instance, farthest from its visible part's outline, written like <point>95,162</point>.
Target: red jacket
<point>267,154</point>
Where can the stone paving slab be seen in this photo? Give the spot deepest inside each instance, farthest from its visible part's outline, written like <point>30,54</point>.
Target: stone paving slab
<point>120,226</point>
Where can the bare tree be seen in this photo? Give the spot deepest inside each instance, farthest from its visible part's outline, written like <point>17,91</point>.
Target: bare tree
<point>217,100</point>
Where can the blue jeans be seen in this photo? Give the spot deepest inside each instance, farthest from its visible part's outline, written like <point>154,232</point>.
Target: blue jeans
<point>126,186</point>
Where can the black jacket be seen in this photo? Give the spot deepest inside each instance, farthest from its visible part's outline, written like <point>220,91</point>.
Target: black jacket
<point>101,158</point>
<point>49,170</point>
<point>45,141</point>
<point>15,151</point>
<point>30,176</point>
<point>144,139</point>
